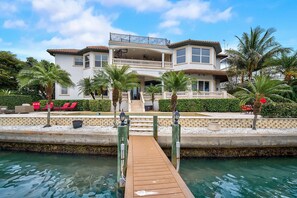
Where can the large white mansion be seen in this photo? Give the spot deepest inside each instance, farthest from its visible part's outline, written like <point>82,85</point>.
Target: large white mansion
<point>149,58</point>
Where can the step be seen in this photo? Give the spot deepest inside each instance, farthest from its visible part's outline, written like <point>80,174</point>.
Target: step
<point>141,121</point>
<point>141,129</point>
<point>140,125</point>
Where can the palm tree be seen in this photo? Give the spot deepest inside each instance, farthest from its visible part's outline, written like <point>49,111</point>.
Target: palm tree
<point>119,78</point>
<point>174,82</point>
<point>45,74</point>
<point>286,65</point>
<point>256,47</point>
<point>153,89</point>
<point>86,87</point>
<point>263,87</point>
<point>100,83</point>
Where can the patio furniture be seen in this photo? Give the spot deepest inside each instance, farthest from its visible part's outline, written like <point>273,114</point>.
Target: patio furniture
<point>46,106</point>
<point>65,106</point>
<point>23,109</point>
<point>3,109</point>
<point>247,108</point>
<point>71,108</point>
<point>36,106</point>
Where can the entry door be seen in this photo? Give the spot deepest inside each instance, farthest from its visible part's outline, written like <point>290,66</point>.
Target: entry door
<point>135,93</point>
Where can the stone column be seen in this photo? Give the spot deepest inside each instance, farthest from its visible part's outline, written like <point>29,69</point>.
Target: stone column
<point>163,57</point>
<point>110,56</point>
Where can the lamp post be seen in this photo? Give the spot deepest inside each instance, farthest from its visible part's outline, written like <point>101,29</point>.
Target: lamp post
<point>122,117</point>
<point>176,117</point>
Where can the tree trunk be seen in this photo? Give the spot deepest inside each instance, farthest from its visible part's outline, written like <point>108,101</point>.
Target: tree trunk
<point>153,100</point>
<point>173,104</point>
<point>93,95</point>
<point>49,92</point>
<point>255,121</point>
<point>120,100</point>
<point>115,97</point>
<point>256,111</point>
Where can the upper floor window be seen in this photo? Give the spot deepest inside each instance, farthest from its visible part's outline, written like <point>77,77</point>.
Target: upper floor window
<point>101,60</point>
<point>200,55</point>
<point>78,61</point>
<point>181,56</point>
<point>64,90</point>
<point>87,61</point>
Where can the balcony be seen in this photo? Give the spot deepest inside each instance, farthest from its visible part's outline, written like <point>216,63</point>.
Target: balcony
<point>138,39</point>
<point>142,63</point>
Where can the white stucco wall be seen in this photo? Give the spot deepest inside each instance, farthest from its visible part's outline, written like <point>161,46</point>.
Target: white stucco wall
<point>67,63</point>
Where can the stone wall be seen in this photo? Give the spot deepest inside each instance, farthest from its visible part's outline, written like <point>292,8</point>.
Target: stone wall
<point>162,120</point>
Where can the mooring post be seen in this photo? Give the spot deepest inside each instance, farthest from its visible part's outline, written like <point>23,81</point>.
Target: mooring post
<point>128,125</point>
<point>155,127</point>
<point>175,139</point>
<point>122,154</point>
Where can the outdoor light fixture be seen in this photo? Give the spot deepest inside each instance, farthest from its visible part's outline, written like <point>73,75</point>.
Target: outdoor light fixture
<point>122,117</point>
<point>176,117</point>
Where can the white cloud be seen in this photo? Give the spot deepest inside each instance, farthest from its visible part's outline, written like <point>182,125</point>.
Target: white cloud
<point>6,7</point>
<point>249,20</point>
<point>154,34</point>
<point>76,26</point>
<point>14,24</point>
<point>169,23</point>
<point>139,5</point>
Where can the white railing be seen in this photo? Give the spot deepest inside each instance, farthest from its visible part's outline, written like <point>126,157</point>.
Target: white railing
<point>141,63</point>
<point>148,97</point>
<point>190,94</point>
<point>208,94</point>
<point>142,101</point>
<point>129,102</point>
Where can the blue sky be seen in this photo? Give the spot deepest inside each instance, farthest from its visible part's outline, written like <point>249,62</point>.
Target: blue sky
<point>29,27</point>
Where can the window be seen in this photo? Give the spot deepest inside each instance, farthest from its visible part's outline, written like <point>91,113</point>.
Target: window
<point>181,56</point>
<point>64,90</point>
<point>87,61</point>
<point>101,60</point>
<point>200,86</point>
<point>200,55</point>
<point>78,61</point>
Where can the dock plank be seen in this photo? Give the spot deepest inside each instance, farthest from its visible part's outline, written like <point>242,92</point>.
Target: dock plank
<point>150,173</point>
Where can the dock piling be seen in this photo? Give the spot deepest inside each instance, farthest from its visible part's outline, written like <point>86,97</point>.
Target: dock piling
<point>122,148</point>
<point>155,127</point>
<point>175,139</point>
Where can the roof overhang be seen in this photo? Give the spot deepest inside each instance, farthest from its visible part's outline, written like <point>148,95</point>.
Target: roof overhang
<point>53,52</point>
<point>214,44</point>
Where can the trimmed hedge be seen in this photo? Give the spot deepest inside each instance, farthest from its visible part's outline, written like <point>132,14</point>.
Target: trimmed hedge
<point>14,100</point>
<point>198,105</point>
<point>279,110</point>
<point>83,105</point>
<point>100,105</point>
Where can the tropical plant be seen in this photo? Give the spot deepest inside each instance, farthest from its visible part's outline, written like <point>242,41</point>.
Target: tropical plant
<point>285,64</point>
<point>254,48</point>
<point>100,83</point>
<point>174,82</point>
<point>119,78</point>
<point>263,87</point>
<point>45,74</point>
<point>5,92</point>
<point>152,90</point>
<point>86,87</point>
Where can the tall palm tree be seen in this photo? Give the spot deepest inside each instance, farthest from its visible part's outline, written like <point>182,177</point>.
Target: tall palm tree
<point>153,89</point>
<point>45,74</point>
<point>100,83</point>
<point>174,82</point>
<point>119,78</point>
<point>285,64</point>
<point>256,47</point>
<point>263,87</point>
<point>86,87</point>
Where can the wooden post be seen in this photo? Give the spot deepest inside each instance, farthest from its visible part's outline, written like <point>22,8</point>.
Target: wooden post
<point>155,127</point>
<point>122,139</point>
<point>128,125</point>
<point>175,138</point>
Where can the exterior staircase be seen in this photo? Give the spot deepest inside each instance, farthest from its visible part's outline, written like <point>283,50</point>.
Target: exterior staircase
<point>137,106</point>
<point>141,125</point>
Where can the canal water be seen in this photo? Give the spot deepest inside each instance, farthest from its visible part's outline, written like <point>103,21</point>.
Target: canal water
<point>57,175</point>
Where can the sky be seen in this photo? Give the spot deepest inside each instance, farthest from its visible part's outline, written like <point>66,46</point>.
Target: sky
<point>30,27</point>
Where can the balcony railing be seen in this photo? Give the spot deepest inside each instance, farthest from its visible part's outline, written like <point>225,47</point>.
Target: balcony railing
<point>190,94</point>
<point>138,39</point>
<point>141,63</point>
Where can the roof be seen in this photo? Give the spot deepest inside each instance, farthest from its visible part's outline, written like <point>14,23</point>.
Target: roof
<point>219,74</point>
<point>77,51</point>
<point>213,44</point>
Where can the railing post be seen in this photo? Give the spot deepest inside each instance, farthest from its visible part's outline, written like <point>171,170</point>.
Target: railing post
<point>155,127</point>
<point>122,150</point>
<point>175,139</point>
<point>128,125</point>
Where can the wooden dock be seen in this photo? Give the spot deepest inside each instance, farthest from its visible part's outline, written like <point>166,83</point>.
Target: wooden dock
<point>150,173</point>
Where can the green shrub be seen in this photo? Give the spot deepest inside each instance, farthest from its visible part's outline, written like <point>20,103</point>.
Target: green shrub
<point>86,106</point>
<point>279,110</point>
<point>14,100</point>
<point>198,105</point>
<point>100,105</point>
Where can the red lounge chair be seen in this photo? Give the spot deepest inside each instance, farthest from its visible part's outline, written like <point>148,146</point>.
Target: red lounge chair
<point>36,106</point>
<point>71,108</point>
<point>66,105</point>
<point>51,107</point>
<point>247,108</point>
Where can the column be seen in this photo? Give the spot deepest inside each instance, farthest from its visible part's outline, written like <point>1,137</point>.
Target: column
<point>110,56</point>
<point>163,57</point>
